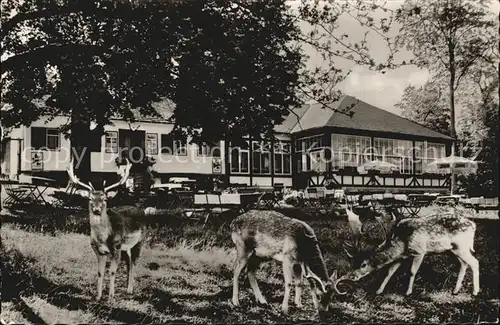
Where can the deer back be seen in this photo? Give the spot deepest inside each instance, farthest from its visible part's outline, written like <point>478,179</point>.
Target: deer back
<point>270,233</point>
<point>434,233</point>
<point>126,219</point>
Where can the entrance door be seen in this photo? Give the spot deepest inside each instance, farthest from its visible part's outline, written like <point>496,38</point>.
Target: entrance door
<point>132,144</point>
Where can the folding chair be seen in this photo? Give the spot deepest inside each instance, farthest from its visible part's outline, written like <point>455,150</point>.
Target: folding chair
<point>15,194</point>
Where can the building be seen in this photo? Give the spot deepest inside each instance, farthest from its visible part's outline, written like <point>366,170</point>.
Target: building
<point>313,146</point>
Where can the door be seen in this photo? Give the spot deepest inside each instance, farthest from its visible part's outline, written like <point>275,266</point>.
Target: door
<point>132,144</point>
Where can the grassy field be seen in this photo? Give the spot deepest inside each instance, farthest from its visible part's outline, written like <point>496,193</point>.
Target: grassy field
<point>185,275</point>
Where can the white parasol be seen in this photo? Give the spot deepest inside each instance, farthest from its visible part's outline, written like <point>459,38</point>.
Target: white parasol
<point>452,164</point>
<point>378,165</point>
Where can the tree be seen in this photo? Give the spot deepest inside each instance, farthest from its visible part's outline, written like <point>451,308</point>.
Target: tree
<point>427,105</point>
<point>95,59</point>
<point>485,182</point>
<point>483,132</point>
<point>449,36</point>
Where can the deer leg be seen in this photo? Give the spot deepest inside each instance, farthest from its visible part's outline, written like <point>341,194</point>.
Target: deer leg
<point>313,294</point>
<point>113,267</point>
<point>417,261</point>
<point>288,276</point>
<point>474,265</point>
<point>101,268</point>
<point>133,255</point>
<point>390,272</point>
<point>298,280</point>
<point>130,270</point>
<point>253,264</point>
<point>461,275</point>
<point>241,262</point>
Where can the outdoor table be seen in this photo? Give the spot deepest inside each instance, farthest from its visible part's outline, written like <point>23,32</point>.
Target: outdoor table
<point>216,204</point>
<point>35,191</point>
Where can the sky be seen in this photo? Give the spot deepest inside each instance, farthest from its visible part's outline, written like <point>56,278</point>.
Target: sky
<point>381,90</point>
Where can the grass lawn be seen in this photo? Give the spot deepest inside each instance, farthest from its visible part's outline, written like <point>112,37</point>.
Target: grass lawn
<point>185,275</point>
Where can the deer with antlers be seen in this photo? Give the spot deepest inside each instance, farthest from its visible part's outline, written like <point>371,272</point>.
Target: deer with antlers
<point>414,238</point>
<point>261,234</point>
<point>112,230</point>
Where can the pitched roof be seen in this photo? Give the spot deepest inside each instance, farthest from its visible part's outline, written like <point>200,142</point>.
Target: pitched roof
<point>291,120</point>
<point>363,117</point>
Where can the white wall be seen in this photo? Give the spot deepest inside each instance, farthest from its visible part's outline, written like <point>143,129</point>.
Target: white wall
<point>287,181</point>
<point>58,160</point>
<point>53,160</point>
<point>260,180</point>
<point>165,163</point>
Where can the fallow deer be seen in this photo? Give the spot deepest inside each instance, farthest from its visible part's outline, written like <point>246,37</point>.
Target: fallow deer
<point>264,234</point>
<point>415,237</point>
<point>112,230</point>
<point>356,225</point>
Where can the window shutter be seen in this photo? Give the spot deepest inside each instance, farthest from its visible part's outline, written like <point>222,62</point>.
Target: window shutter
<point>38,137</point>
<point>167,144</point>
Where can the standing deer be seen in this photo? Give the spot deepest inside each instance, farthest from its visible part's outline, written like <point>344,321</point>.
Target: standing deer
<point>112,231</point>
<point>271,235</point>
<point>415,237</point>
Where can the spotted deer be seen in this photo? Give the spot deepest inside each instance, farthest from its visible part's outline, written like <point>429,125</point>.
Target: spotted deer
<point>261,234</point>
<point>412,238</point>
<point>112,230</point>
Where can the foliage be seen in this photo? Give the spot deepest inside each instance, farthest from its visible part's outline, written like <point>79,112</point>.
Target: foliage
<point>486,181</point>
<point>427,105</point>
<point>97,59</point>
<point>448,37</point>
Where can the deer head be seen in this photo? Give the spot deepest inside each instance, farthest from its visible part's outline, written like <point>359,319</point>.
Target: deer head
<point>98,198</point>
<point>357,226</point>
<point>325,292</point>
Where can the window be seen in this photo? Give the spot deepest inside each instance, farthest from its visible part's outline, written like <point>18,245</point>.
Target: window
<point>261,157</point>
<point>427,152</point>
<point>209,150</point>
<point>172,146</point>
<point>53,139</point>
<point>282,162</point>
<point>350,150</point>
<point>309,143</point>
<point>397,152</point>
<point>111,141</point>
<point>47,138</point>
<point>240,160</point>
<point>151,144</point>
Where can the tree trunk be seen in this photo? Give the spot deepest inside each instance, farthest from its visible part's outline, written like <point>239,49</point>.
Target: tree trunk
<point>453,133</point>
<point>80,135</point>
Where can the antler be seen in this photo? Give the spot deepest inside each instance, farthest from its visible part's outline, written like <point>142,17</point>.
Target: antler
<point>382,244</point>
<point>335,287</point>
<point>75,179</point>
<point>124,177</point>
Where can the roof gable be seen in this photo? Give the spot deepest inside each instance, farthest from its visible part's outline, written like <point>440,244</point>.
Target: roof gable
<point>370,118</point>
<point>363,116</point>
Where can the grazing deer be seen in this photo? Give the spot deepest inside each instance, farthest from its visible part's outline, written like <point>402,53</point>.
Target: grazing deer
<point>357,226</point>
<point>112,231</point>
<point>415,237</point>
<point>260,234</point>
